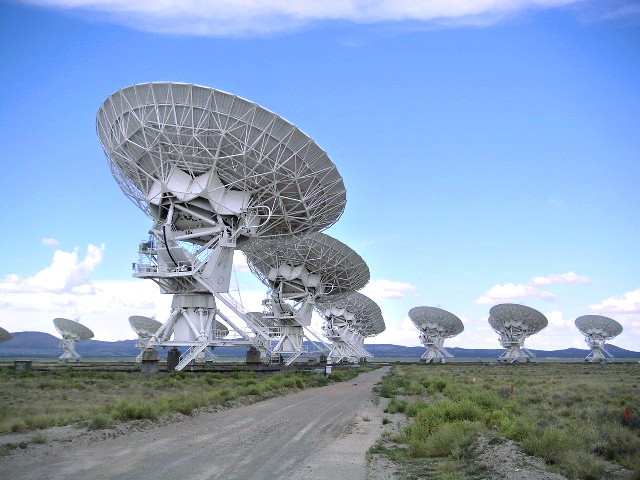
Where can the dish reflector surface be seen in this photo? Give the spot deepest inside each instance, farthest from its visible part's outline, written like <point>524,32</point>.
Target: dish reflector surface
<point>507,315</point>
<point>605,327</point>
<point>317,259</point>
<point>71,328</point>
<point>217,154</point>
<point>433,318</point>
<point>366,315</point>
<point>144,326</point>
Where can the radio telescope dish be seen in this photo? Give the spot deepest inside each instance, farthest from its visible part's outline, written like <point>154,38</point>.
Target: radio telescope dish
<point>211,169</point>
<point>315,262</point>
<point>597,330</point>
<point>71,332</point>
<point>144,326</point>
<point>217,154</point>
<point>4,335</point>
<point>299,271</point>
<point>348,321</point>
<point>435,326</point>
<point>514,323</point>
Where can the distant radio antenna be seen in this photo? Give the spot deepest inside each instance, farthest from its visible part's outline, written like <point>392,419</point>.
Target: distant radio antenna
<point>597,330</point>
<point>300,271</point>
<point>514,323</point>
<point>71,332</point>
<point>348,321</point>
<point>435,326</point>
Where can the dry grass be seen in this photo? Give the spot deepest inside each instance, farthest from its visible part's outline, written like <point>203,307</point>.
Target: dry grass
<point>570,415</point>
<point>37,400</point>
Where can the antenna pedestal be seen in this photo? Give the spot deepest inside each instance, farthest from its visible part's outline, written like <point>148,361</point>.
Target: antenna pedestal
<point>69,347</point>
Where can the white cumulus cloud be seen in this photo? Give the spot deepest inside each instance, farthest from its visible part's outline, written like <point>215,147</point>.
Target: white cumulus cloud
<point>569,277</point>
<point>510,291</point>
<point>67,273</point>
<point>557,319</point>
<point>380,289</point>
<point>259,17</point>
<point>628,303</point>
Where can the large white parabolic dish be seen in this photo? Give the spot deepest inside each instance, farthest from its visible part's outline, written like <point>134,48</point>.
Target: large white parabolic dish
<point>365,314</point>
<point>218,154</point>
<point>144,326</point>
<point>604,327</point>
<point>72,329</point>
<point>318,259</point>
<point>510,315</point>
<point>433,318</point>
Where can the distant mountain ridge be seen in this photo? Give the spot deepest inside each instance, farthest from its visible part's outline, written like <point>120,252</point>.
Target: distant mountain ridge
<point>44,345</point>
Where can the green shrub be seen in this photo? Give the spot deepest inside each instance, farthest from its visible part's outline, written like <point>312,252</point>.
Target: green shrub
<point>132,410</point>
<point>396,406</point>
<point>100,421</point>
<point>445,439</point>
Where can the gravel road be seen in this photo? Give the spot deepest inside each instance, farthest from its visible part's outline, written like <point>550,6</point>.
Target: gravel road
<point>315,434</point>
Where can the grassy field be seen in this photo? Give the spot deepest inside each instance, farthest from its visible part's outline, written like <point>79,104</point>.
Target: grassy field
<point>570,415</point>
<point>37,400</point>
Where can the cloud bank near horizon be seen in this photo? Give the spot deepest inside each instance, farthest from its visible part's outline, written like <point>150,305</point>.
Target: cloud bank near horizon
<point>267,17</point>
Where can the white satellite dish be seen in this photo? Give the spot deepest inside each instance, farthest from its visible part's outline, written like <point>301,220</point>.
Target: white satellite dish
<point>348,321</point>
<point>71,332</point>
<point>514,323</point>
<point>211,170</point>
<point>435,325</point>
<point>298,272</point>
<point>597,330</point>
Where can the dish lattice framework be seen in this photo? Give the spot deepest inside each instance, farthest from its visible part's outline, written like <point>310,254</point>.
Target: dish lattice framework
<point>4,335</point>
<point>437,320</point>
<point>348,321</point>
<point>144,326</point>
<point>435,325</point>
<point>71,332</point>
<point>514,323</point>
<point>597,329</point>
<point>162,141</point>
<point>210,167</point>
<point>72,329</point>
<point>367,316</point>
<point>340,269</point>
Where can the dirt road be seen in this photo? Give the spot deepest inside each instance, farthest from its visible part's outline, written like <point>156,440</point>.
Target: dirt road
<point>315,434</point>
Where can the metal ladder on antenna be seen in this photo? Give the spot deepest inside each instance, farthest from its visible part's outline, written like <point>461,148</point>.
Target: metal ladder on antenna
<point>190,355</point>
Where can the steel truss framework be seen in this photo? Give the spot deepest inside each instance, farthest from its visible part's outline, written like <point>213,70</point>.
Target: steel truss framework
<point>597,329</point>
<point>71,332</point>
<point>348,321</point>
<point>211,169</point>
<point>298,272</point>
<point>514,323</point>
<point>435,326</point>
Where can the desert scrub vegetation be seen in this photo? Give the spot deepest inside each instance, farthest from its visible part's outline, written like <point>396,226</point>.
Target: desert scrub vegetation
<point>37,400</point>
<point>572,415</point>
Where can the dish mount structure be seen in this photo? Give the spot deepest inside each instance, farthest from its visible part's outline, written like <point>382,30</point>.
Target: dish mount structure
<point>348,321</point>
<point>71,332</point>
<point>514,323</point>
<point>212,170</point>
<point>435,326</point>
<point>597,330</point>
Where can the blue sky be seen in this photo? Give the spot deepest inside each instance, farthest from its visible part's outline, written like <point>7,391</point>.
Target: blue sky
<point>479,150</point>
